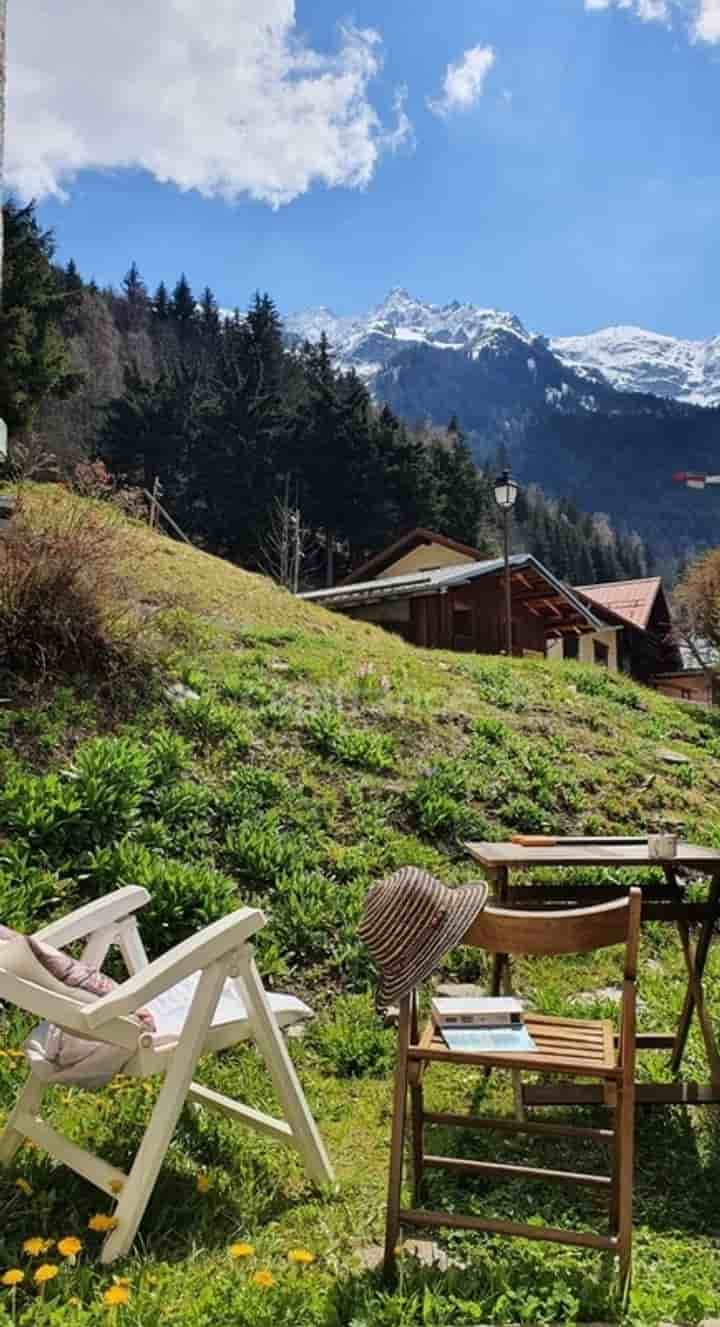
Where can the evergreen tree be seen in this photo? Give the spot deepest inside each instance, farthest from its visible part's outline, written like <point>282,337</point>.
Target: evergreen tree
<point>136,303</point>
<point>161,304</point>
<point>34,361</point>
<point>182,309</point>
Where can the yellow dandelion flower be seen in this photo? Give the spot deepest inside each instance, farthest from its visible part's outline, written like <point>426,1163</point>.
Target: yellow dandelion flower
<point>116,1186</point>
<point>24,1187</point>
<point>37,1245</point>
<point>101,1221</point>
<point>202,1184</point>
<point>116,1295</point>
<point>264,1279</point>
<point>47,1271</point>
<point>301,1256</point>
<point>242,1250</point>
<point>13,1277</point>
<point>69,1246</point>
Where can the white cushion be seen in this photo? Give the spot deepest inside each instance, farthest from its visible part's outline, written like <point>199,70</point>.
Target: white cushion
<point>170,1009</point>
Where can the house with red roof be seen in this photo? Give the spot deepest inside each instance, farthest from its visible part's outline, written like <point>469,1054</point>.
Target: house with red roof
<point>642,643</point>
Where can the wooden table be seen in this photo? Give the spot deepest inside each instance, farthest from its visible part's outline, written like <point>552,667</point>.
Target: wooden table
<point>664,901</point>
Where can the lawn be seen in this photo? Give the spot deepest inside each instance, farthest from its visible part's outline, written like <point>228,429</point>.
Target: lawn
<point>315,755</point>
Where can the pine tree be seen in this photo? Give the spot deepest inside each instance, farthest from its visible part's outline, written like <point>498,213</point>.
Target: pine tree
<point>161,304</point>
<point>34,363</point>
<point>210,325</point>
<point>136,304</point>
<point>182,309</point>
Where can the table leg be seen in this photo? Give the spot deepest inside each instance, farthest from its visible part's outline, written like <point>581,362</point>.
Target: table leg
<point>502,980</point>
<point>695,959</point>
<point>500,967</point>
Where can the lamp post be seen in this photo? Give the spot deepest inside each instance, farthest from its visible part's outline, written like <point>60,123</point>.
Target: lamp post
<point>506,491</point>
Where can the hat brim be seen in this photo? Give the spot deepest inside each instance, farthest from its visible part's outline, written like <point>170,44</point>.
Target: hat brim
<point>467,902</point>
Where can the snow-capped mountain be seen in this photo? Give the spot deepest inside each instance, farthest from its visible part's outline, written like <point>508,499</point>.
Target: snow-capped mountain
<point>369,342</point>
<point>628,358</point>
<point>635,360</point>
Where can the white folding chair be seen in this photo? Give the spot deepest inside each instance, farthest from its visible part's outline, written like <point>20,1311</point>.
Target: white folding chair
<point>205,995</point>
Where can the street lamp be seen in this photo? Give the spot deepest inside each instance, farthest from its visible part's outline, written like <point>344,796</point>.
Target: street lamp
<point>506,491</point>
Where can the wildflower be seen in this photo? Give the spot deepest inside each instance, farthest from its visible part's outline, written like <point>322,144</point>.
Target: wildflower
<point>301,1256</point>
<point>13,1277</point>
<point>116,1295</point>
<point>37,1245</point>
<point>101,1221</point>
<point>69,1247</point>
<point>264,1279</point>
<point>47,1271</point>
<point>242,1250</point>
<point>116,1186</point>
<point>24,1187</point>
<point>202,1183</point>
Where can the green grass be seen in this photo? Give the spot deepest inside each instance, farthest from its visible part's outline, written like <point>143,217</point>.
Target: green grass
<point>321,754</point>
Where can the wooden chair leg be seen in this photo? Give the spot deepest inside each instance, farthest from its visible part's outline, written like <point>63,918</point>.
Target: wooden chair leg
<point>417,1108</point>
<point>11,1139</point>
<point>397,1142</point>
<point>151,1153</point>
<point>625,1182</point>
<point>270,1042</point>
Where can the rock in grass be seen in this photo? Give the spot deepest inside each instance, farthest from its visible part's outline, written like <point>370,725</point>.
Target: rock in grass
<point>179,692</point>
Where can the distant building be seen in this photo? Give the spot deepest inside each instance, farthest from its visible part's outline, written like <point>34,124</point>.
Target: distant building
<point>642,643</point>
<point>439,593</point>
<point>697,679</point>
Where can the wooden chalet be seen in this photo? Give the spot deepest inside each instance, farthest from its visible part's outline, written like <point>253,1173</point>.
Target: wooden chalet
<point>439,593</point>
<point>642,642</point>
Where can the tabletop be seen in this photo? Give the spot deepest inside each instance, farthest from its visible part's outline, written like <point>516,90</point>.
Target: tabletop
<point>601,852</point>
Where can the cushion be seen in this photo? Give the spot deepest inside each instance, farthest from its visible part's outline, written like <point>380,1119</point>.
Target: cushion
<point>170,1009</point>
<point>55,1055</point>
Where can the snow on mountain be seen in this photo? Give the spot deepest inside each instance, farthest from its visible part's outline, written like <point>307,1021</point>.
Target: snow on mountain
<point>636,360</point>
<point>368,342</point>
<point>629,358</point>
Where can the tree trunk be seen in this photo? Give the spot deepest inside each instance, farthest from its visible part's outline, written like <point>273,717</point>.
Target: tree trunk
<point>330,576</point>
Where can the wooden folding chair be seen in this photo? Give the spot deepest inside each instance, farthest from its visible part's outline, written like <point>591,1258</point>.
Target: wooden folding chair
<point>207,995</point>
<point>580,1048</point>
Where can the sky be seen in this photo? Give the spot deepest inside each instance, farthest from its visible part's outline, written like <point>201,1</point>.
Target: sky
<point>555,158</point>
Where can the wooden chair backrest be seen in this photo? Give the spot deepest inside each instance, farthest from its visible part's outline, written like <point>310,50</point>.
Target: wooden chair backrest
<point>572,931</point>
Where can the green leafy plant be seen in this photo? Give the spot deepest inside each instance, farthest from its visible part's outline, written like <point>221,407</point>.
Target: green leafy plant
<point>352,746</point>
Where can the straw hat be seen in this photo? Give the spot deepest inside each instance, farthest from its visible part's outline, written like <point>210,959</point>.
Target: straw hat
<point>411,920</point>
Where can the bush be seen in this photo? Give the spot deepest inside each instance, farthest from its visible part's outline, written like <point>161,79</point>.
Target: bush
<point>185,895</point>
<point>352,746</point>
<point>63,601</point>
<point>351,1042</point>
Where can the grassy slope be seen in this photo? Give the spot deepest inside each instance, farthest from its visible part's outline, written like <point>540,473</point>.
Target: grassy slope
<point>296,780</point>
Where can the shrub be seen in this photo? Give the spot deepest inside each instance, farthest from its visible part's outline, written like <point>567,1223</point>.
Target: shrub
<point>185,896</point>
<point>169,755</point>
<point>63,600</point>
<point>208,722</point>
<point>352,746</point>
<point>110,778</point>
<point>28,891</point>
<point>351,1042</point>
<point>439,799</point>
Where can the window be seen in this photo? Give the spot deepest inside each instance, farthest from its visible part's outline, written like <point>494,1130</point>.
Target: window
<point>601,653</point>
<point>571,646</point>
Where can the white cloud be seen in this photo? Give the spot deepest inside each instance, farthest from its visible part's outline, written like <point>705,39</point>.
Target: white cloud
<point>222,96</point>
<point>707,22</point>
<point>650,11</point>
<point>704,24</point>
<point>464,81</point>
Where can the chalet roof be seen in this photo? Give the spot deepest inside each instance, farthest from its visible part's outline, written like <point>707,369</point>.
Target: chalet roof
<point>444,578</point>
<point>405,544</point>
<point>631,601</point>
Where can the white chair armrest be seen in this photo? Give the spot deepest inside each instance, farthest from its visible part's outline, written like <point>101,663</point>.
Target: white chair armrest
<point>192,955</point>
<point>93,916</point>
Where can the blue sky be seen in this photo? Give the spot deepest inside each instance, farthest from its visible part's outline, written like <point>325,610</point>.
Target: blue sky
<point>575,180</point>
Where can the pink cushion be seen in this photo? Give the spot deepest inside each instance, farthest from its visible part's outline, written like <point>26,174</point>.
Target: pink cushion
<point>72,972</point>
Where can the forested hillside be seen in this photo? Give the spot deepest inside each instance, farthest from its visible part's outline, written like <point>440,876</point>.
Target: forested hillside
<point>242,430</point>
